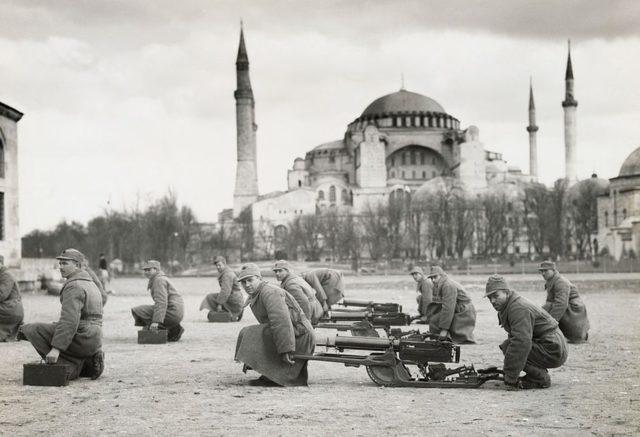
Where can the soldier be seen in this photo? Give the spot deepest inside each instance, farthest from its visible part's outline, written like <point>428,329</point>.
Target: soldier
<point>301,291</point>
<point>268,348</point>
<point>564,304</point>
<point>328,285</point>
<point>168,309</point>
<point>11,311</point>
<point>424,288</point>
<point>76,339</point>
<point>451,313</point>
<point>230,298</point>
<point>534,343</point>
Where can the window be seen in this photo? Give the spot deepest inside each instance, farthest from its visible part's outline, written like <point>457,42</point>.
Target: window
<point>320,195</point>
<point>433,160</point>
<point>2,164</point>
<point>332,194</point>
<point>413,157</point>
<point>606,218</point>
<point>423,158</point>
<point>299,183</point>
<point>424,175</point>
<point>345,196</point>
<point>393,174</point>
<point>615,218</point>
<point>624,214</point>
<point>332,158</point>
<point>403,160</point>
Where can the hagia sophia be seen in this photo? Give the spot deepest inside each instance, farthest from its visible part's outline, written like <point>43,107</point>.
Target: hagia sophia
<point>407,142</point>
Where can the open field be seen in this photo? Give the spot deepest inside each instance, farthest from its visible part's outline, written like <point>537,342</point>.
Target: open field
<point>194,387</point>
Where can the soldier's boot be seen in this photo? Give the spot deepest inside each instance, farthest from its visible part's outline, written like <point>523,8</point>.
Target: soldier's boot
<point>175,333</point>
<point>94,366</point>
<point>263,381</point>
<point>536,377</point>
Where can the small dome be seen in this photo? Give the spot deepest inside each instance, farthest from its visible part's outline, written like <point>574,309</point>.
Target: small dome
<point>338,144</point>
<point>441,183</point>
<point>402,101</point>
<point>600,186</point>
<point>631,165</point>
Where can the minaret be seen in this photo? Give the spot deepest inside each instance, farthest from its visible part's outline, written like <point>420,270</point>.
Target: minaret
<point>532,129</point>
<point>246,191</point>
<point>570,105</point>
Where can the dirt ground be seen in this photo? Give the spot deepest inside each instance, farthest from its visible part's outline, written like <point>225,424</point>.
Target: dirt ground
<point>194,387</point>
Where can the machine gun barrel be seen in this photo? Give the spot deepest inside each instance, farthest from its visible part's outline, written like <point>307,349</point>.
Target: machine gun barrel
<point>378,320</point>
<point>379,307</point>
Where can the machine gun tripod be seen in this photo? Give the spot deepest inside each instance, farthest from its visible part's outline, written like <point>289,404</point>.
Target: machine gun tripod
<point>389,359</point>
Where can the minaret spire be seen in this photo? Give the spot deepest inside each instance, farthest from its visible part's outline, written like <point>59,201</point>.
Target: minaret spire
<point>532,129</point>
<point>246,191</point>
<point>570,105</point>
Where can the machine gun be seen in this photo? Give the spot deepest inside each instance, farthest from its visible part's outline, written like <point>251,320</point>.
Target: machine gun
<point>389,359</point>
<point>375,307</point>
<point>363,323</point>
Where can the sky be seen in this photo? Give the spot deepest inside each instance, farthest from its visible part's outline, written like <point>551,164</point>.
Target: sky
<point>127,99</point>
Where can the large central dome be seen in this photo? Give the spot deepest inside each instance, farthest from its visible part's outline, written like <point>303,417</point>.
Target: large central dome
<point>402,101</point>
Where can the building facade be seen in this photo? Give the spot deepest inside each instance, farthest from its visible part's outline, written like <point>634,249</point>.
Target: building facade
<point>10,243</point>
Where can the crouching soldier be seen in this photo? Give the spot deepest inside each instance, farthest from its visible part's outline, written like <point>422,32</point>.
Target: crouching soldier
<point>534,343</point>
<point>268,348</point>
<point>300,290</point>
<point>76,339</point>
<point>328,284</point>
<point>230,298</point>
<point>168,308</point>
<point>451,313</point>
<point>564,304</point>
<point>424,288</point>
<point>11,311</point>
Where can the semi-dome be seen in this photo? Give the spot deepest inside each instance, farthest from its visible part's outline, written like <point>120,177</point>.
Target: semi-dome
<point>598,186</point>
<point>402,101</point>
<point>631,165</point>
<point>423,195</point>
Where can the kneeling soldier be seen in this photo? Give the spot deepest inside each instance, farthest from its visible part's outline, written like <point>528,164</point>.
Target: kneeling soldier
<point>534,342</point>
<point>230,298</point>
<point>75,340</point>
<point>424,288</point>
<point>11,310</point>
<point>301,291</point>
<point>168,309</point>
<point>284,330</point>
<point>564,304</point>
<point>328,284</point>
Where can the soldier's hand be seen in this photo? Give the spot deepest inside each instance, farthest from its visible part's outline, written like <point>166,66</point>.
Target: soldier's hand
<point>153,326</point>
<point>52,356</point>
<point>286,357</point>
<point>444,335</point>
<point>325,307</point>
<point>219,308</point>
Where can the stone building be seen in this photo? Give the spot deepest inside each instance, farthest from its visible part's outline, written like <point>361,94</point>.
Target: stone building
<point>10,243</point>
<point>400,142</point>
<point>619,211</point>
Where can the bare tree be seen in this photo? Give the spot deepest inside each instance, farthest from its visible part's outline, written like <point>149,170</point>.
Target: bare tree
<point>536,215</point>
<point>307,232</point>
<point>374,230</point>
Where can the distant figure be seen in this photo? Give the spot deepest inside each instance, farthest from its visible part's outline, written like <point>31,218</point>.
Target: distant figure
<point>534,342</point>
<point>105,276</point>
<point>424,288</point>
<point>564,304</point>
<point>451,313</point>
<point>76,339</point>
<point>328,284</point>
<point>301,291</point>
<point>168,309</point>
<point>11,311</point>
<point>230,298</point>
<point>283,330</point>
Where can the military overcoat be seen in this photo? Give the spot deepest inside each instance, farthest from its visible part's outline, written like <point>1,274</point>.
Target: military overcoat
<point>451,309</point>
<point>424,288</point>
<point>565,305</point>
<point>11,310</point>
<point>231,296</point>
<point>305,295</point>
<point>328,284</point>
<point>283,328</point>
<point>533,337</point>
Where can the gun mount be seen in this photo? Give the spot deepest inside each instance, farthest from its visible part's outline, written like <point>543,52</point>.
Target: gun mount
<point>388,363</point>
<point>363,322</point>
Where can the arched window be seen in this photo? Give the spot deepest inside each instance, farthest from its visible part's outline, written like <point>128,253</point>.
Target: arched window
<point>320,195</point>
<point>615,218</point>
<point>344,196</point>
<point>332,193</point>
<point>299,183</point>
<point>393,174</point>
<point>423,158</point>
<point>624,213</point>
<point>413,157</point>
<point>606,218</point>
